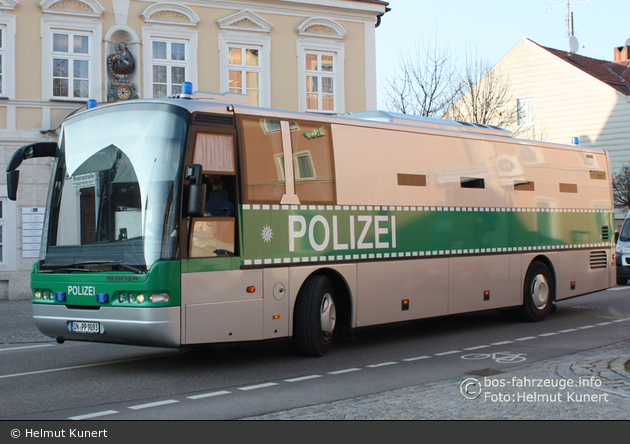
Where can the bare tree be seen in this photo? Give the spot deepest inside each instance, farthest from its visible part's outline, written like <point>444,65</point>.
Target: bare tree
<point>422,83</point>
<point>484,97</point>
<point>621,187</point>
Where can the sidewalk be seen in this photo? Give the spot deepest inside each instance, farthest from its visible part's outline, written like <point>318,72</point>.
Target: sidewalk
<point>601,390</point>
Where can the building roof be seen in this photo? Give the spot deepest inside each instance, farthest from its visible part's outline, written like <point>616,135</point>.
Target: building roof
<point>614,74</point>
<point>377,2</point>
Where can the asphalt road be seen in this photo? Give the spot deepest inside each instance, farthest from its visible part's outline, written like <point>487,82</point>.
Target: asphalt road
<point>40,379</point>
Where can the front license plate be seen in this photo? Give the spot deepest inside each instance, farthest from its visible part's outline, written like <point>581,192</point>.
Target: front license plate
<point>86,327</point>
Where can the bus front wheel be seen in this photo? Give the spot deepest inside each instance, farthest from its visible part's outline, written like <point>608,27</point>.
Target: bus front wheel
<point>538,293</point>
<point>315,316</point>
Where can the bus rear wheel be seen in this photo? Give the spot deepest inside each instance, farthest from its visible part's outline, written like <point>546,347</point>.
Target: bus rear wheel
<point>315,316</point>
<point>538,293</point>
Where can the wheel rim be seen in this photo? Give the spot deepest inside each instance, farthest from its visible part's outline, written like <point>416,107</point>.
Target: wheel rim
<point>328,314</point>
<point>540,291</point>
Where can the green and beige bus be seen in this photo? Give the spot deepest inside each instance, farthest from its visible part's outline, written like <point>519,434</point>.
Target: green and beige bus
<point>199,219</point>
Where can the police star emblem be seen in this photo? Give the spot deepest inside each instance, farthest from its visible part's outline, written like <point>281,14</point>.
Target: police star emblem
<point>267,233</point>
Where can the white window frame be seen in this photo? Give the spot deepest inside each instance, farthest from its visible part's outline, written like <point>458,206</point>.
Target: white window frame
<point>8,25</point>
<point>71,57</point>
<point>337,50</point>
<point>246,29</point>
<point>528,106</point>
<point>8,223</point>
<point>244,69</point>
<point>186,35</point>
<point>72,25</point>
<point>169,63</point>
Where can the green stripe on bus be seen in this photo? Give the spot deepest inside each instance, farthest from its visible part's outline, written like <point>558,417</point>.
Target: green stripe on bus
<point>274,234</point>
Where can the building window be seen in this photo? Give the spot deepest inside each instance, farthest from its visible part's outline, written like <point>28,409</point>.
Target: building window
<point>321,59</point>
<point>245,59</point>
<point>244,72</point>
<point>169,62</point>
<point>2,261</point>
<point>320,81</point>
<point>525,111</point>
<point>2,32</point>
<point>70,65</point>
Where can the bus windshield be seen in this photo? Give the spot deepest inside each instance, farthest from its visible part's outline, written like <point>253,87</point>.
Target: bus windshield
<point>113,200</point>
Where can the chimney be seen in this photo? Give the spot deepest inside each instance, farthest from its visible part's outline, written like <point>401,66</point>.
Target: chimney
<point>622,53</point>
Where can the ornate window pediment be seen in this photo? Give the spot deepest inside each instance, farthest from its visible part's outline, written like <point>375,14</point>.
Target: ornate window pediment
<point>245,21</point>
<point>8,5</point>
<point>170,14</point>
<point>321,27</point>
<point>86,8</point>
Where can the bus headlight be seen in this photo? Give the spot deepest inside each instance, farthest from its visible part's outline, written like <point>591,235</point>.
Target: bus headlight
<point>159,297</point>
<point>38,294</point>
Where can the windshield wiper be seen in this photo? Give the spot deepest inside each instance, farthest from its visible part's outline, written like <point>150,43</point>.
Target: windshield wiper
<point>124,264</point>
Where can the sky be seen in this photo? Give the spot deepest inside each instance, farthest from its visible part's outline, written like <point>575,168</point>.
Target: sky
<point>491,28</point>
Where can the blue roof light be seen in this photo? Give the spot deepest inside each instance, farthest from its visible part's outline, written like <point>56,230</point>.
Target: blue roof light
<point>91,104</point>
<point>187,88</point>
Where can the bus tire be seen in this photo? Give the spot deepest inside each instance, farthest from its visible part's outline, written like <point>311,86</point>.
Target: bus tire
<point>315,316</point>
<point>538,293</point>
<point>622,281</point>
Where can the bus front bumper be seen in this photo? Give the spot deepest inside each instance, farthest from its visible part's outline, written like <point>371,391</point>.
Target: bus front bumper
<point>158,326</point>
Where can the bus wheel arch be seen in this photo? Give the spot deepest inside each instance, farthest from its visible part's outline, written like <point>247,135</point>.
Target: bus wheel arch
<point>539,290</point>
<point>322,309</point>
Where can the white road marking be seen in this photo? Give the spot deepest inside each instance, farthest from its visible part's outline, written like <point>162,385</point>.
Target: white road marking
<point>527,338</point>
<point>382,364</point>
<point>68,368</point>
<point>447,353</point>
<point>548,334</point>
<point>502,343</point>
<point>417,358</point>
<point>258,386</point>
<point>93,415</point>
<point>26,346</point>
<point>153,404</point>
<point>346,370</point>
<point>568,330</point>
<point>303,378</point>
<point>585,327</point>
<point>477,347</point>
<point>209,395</point>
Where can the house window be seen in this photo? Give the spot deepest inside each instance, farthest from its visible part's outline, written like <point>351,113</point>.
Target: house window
<point>169,62</point>
<point>2,93</point>
<point>70,65</point>
<point>320,81</point>
<point>525,111</point>
<point>244,72</point>
<point>2,259</point>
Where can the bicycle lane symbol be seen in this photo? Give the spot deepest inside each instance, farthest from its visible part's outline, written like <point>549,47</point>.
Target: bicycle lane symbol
<point>499,357</point>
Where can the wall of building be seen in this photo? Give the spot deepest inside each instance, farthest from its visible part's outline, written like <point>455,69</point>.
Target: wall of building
<point>282,31</point>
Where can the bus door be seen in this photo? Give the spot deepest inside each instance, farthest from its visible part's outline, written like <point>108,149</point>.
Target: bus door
<point>220,302</point>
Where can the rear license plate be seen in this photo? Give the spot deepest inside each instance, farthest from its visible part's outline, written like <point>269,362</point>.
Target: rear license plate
<point>86,327</point>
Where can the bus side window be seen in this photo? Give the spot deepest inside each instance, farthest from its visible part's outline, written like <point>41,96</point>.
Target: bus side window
<point>214,234</point>
<point>212,237</point>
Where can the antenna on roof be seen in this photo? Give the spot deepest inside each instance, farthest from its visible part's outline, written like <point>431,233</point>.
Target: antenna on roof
<point>573,42</point>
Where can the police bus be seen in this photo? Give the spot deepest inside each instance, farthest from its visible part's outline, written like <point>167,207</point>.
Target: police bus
<point>199,219</point>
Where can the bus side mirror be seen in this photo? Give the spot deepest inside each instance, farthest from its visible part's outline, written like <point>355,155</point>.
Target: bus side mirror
<point>40,149</point>
<point>196,191</point>
<point>12,184</point>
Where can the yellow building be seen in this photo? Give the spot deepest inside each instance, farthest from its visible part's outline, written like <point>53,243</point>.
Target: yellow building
<point>303,55</point>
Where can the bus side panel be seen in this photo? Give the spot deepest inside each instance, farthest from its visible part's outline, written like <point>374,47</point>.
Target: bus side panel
<point>584,267</point>
<point>218,308</point>
<point>276,303</point>
<point>471,277</point>
<point>384,285</point>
